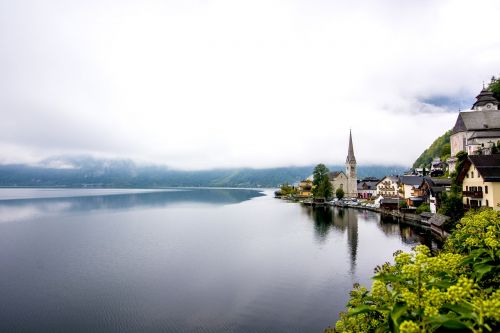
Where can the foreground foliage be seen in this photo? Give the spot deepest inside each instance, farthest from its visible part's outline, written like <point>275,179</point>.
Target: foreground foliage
<point>456,290</point>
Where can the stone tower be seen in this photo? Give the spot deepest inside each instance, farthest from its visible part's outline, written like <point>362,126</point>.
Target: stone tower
<point>350,171</point>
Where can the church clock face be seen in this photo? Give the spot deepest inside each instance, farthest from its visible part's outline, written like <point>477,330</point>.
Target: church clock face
<point>489,105</point>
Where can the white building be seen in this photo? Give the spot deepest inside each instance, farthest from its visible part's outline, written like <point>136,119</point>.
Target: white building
<point>476,130</point>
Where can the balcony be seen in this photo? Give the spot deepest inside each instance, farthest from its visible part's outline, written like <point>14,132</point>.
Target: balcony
<point>473,194</point>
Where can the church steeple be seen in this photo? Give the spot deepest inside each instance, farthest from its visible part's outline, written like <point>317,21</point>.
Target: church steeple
<point>350,153</point>
<point>350,168</point>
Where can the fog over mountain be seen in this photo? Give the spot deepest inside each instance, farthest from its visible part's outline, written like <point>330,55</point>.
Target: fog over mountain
<point>81,171</point>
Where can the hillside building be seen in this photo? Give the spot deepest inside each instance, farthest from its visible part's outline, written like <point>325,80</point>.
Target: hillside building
<point>476,131</point>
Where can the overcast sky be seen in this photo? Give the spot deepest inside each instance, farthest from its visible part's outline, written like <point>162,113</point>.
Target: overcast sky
<point>203,84</point>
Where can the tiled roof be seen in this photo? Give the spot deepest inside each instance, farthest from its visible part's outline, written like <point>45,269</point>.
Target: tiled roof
<point>334,174</point>
<point>477,121</point>
<point>411,180</point>
<point>484,98</point>
<point>393,179</point>
<point>350,152</point>
<point>488,166</point>
<point>485,134</point>
<point>438,220</point>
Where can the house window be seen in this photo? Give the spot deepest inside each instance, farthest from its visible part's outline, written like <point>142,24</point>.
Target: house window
<point>466,175</point>
<point>480,189</point>
<point>472,174</point>
<point>466,188</point>
<point>486,189</point>
<point>487,203</point>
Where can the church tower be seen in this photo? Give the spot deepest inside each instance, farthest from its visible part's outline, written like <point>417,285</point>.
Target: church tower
<point>350,168</point>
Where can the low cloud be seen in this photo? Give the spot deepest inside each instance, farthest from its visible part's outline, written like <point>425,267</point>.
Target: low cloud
<point>230,84</point>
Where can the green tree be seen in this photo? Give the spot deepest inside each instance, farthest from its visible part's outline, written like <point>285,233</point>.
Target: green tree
<point>322,188</point>
<point>452,206</point>
<point>339,193</point>
<point>287,190</point>
<point>494,87</point>
<point>445,151</point>
<point>425,207</point>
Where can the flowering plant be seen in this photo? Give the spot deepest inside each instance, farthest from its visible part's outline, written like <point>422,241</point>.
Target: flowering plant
<point>456,290</point>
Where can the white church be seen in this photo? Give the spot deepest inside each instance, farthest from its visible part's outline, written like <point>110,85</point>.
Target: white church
<point>347,180</point>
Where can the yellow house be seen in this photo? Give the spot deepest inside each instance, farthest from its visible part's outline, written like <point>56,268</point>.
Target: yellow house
<point>480,178</point>
<point>305,188</point>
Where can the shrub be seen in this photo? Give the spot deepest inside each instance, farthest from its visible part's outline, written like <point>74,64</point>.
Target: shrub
<point>456,290</point>
<point>425,207</point>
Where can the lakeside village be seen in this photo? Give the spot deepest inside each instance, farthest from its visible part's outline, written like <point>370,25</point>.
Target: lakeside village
<point>432,197</point>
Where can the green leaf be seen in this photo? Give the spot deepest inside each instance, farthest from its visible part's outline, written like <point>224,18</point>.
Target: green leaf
<point>398,310</point>
<point>482,269</point>
<point>361,309</point>
<point>464,310</point>
<point>454,324</point>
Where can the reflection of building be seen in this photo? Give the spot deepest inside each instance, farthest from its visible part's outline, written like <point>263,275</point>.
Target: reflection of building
<point>347,181</point>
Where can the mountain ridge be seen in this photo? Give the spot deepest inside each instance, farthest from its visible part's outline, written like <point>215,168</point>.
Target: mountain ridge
<point>94,172</point>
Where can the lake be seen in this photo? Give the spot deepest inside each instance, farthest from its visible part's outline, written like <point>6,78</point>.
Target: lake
<point>183,260</point>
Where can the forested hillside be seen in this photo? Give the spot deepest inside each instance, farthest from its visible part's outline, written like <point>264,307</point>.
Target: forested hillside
<point>439,148</point>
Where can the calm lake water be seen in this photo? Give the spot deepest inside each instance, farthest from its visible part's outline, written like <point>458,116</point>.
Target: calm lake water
<point>192,260</point>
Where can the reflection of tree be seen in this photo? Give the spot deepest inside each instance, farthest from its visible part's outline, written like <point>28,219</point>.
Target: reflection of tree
<point>409,234</point>
<point>346,220</point>
<point>322,221</point>
<point>322,218</point>
<point>340,220</point>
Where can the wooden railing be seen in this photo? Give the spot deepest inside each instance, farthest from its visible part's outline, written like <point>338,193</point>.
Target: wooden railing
<point>473,194</point>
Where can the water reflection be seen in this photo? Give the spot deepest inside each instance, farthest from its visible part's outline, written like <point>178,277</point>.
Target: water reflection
<point>185,261</point>
<point>22,209</point>
<point>347,220</point>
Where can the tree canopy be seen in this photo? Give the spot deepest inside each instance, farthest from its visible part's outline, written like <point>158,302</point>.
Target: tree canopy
<point>439,148</point>
<point>494,87</point>
<point>322,188</point>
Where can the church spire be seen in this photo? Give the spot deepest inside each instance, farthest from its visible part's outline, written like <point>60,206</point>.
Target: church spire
<point>350,152</point>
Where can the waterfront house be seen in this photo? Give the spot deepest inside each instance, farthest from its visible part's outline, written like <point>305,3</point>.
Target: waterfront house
<point>432,189</point>
<point>305,188</point>
<point>367,188</point>
<point>409,188</point>
<point>437,222</point>
<point>480,177</point>
<point>388,187</point>
<point>389,203</point>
